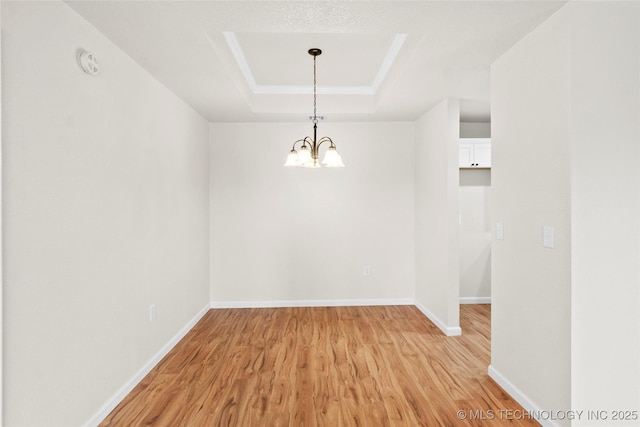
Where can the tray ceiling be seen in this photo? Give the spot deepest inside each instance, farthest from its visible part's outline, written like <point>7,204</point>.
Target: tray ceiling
<point>386,60</point>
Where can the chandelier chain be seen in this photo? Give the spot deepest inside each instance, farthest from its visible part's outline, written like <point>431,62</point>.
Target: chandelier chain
<point>315,117</point>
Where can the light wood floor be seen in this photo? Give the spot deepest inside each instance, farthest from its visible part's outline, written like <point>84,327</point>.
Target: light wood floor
<point>334,366</point>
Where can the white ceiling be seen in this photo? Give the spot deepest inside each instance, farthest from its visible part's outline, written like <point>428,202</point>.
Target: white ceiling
<point>382,60</point>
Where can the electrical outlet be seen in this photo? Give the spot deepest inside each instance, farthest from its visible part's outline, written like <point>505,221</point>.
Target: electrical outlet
<point>152,312</point>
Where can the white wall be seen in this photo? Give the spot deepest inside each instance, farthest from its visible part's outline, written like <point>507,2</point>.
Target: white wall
<point>436,215</point>
<point>566,320</point>
<point>300,236</point>
<point>530,177</point>
<point>475,235</point>
<point>105,210</point>
<point>475,224</point>
<point>605,207</point>
<point>1,246</point>
<point>475,130</point>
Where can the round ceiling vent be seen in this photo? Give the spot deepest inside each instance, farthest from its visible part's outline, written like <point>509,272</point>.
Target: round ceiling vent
<point>88,62</point>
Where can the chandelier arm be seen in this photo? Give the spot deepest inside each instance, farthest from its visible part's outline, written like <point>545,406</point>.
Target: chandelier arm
<point>305,141</point>
<point>325,139</point>
<point>293,147</point>
<point>308,140</point>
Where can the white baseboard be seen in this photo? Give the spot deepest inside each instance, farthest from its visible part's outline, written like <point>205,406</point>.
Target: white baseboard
<point>475,300</point>
<point>129,385</point>
<point>450,331</point>
<point>311,303</point>
<point>519,397</point>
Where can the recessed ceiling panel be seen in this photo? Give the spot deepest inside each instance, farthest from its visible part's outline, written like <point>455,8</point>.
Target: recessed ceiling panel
<point>280,63</point>
<point>282,59</point>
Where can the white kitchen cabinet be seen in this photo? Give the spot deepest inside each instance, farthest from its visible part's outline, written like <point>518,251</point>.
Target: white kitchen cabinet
<point>475,153</point>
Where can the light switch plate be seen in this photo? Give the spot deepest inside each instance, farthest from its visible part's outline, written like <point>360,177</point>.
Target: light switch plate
<point>500,231</point>
<point>547,237</point>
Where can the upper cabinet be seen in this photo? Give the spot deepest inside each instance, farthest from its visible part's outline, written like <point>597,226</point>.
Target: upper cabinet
<point>475,153</point>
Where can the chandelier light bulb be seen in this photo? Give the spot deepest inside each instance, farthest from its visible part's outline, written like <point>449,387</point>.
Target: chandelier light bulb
<point>304,156</point>
<point>332,158</point>
<point>292,158</point>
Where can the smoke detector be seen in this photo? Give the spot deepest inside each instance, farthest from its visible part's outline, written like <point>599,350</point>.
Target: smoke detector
<point>88,62</point>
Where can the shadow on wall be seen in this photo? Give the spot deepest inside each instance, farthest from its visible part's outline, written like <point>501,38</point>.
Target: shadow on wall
<point>475,233</point>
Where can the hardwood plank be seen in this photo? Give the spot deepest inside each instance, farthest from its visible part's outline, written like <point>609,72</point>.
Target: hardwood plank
<point>322,366</point>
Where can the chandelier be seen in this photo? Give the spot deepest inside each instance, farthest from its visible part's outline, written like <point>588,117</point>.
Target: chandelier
<point>307,154</point>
